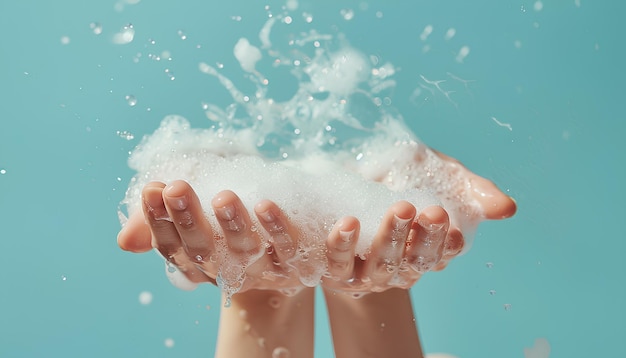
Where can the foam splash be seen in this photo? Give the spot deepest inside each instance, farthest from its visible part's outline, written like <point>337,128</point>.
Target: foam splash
<point>332,149</point>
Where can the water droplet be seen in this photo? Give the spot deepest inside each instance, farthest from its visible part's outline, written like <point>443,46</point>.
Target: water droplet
<point>145,298</point>
<point>131,100</point>
<point>182,35</point>
<point>125,36</point>
<point>281,352</point>
<point>125,135</point>
<point>357,295</point>
<point>507,306</point>
<point>65,40</point>
<point>96,28</point>
<point>287,20</point>
<point>63,278</point>
<point>308,18</point>
<point>274,302</point>
<point>170,74</point>
<point>198,258</point>
<point>3,171</point>
<point>169,342</point>
<point>347,14</point>
<point>489,264</point>
<point>235,18</point>
<point>492,292</point>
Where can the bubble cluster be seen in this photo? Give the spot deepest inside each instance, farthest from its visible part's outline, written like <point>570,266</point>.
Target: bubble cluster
<point>131,100</point>
<point>96,28</point>
<point>335,148</point>
<point>125,135</point>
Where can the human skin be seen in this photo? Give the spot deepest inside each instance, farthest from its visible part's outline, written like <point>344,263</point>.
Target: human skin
<point>260,318</point>
<point>385,317</point>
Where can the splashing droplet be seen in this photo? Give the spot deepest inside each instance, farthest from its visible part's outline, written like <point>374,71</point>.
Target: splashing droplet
<point>131,100</point>
<point>125,36</point>
<point>96,28</point>
<point>126,135</point>
<point>347,14</point>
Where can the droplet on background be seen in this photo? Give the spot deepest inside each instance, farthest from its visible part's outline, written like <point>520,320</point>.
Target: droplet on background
<point>489,264</point>
<point>63,278</point>
<point>347,14</point>
<point>96,28</point>
<point>3,171</point>
<point>131,100</point>
<point>169,342</point>
<point>145,298</point>
<point>125,36</point>
<point>507,306</point>
<point>126,135</point>
<point>65,40</point>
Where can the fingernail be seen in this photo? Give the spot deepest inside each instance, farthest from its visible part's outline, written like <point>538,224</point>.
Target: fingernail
<point>178,203</point>
<point>346,235</point>
<point>226,212</point>
<point>399,223</point>
<point>427,223</point>
<point>156,209</point>
<point>267,216</point>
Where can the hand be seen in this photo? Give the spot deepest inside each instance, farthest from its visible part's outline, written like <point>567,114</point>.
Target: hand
<point>406,246</point>
<point>241,256</point>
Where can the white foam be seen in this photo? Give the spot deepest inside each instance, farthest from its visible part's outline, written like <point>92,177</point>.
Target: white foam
<point>247,54</point>
<point>327,152</point>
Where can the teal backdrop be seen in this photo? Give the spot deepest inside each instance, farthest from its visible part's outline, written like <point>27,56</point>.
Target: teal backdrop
<point>554,73</point>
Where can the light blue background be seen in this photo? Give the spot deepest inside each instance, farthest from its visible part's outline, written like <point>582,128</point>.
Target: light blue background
<point>559,262</point>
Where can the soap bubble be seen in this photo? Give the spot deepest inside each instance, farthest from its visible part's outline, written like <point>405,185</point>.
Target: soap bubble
<point>281,352</point>
<point>145,297</point>
<point>96,28</point>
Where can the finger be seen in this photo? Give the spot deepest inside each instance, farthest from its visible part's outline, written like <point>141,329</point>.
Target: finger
<point>452,247</point>
<point>233,217</point>
<point>193,228</point>
<point>426,240</point>
<point>454,243</point>
<point>282,235</point>
<point>341,244</point>
<point>135,236</point>
<point>165,237</point>
<point>389,242</point>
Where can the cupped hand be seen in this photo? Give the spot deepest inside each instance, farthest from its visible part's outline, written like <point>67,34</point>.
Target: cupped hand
<point>406,246</point>
<point>240,255</point>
